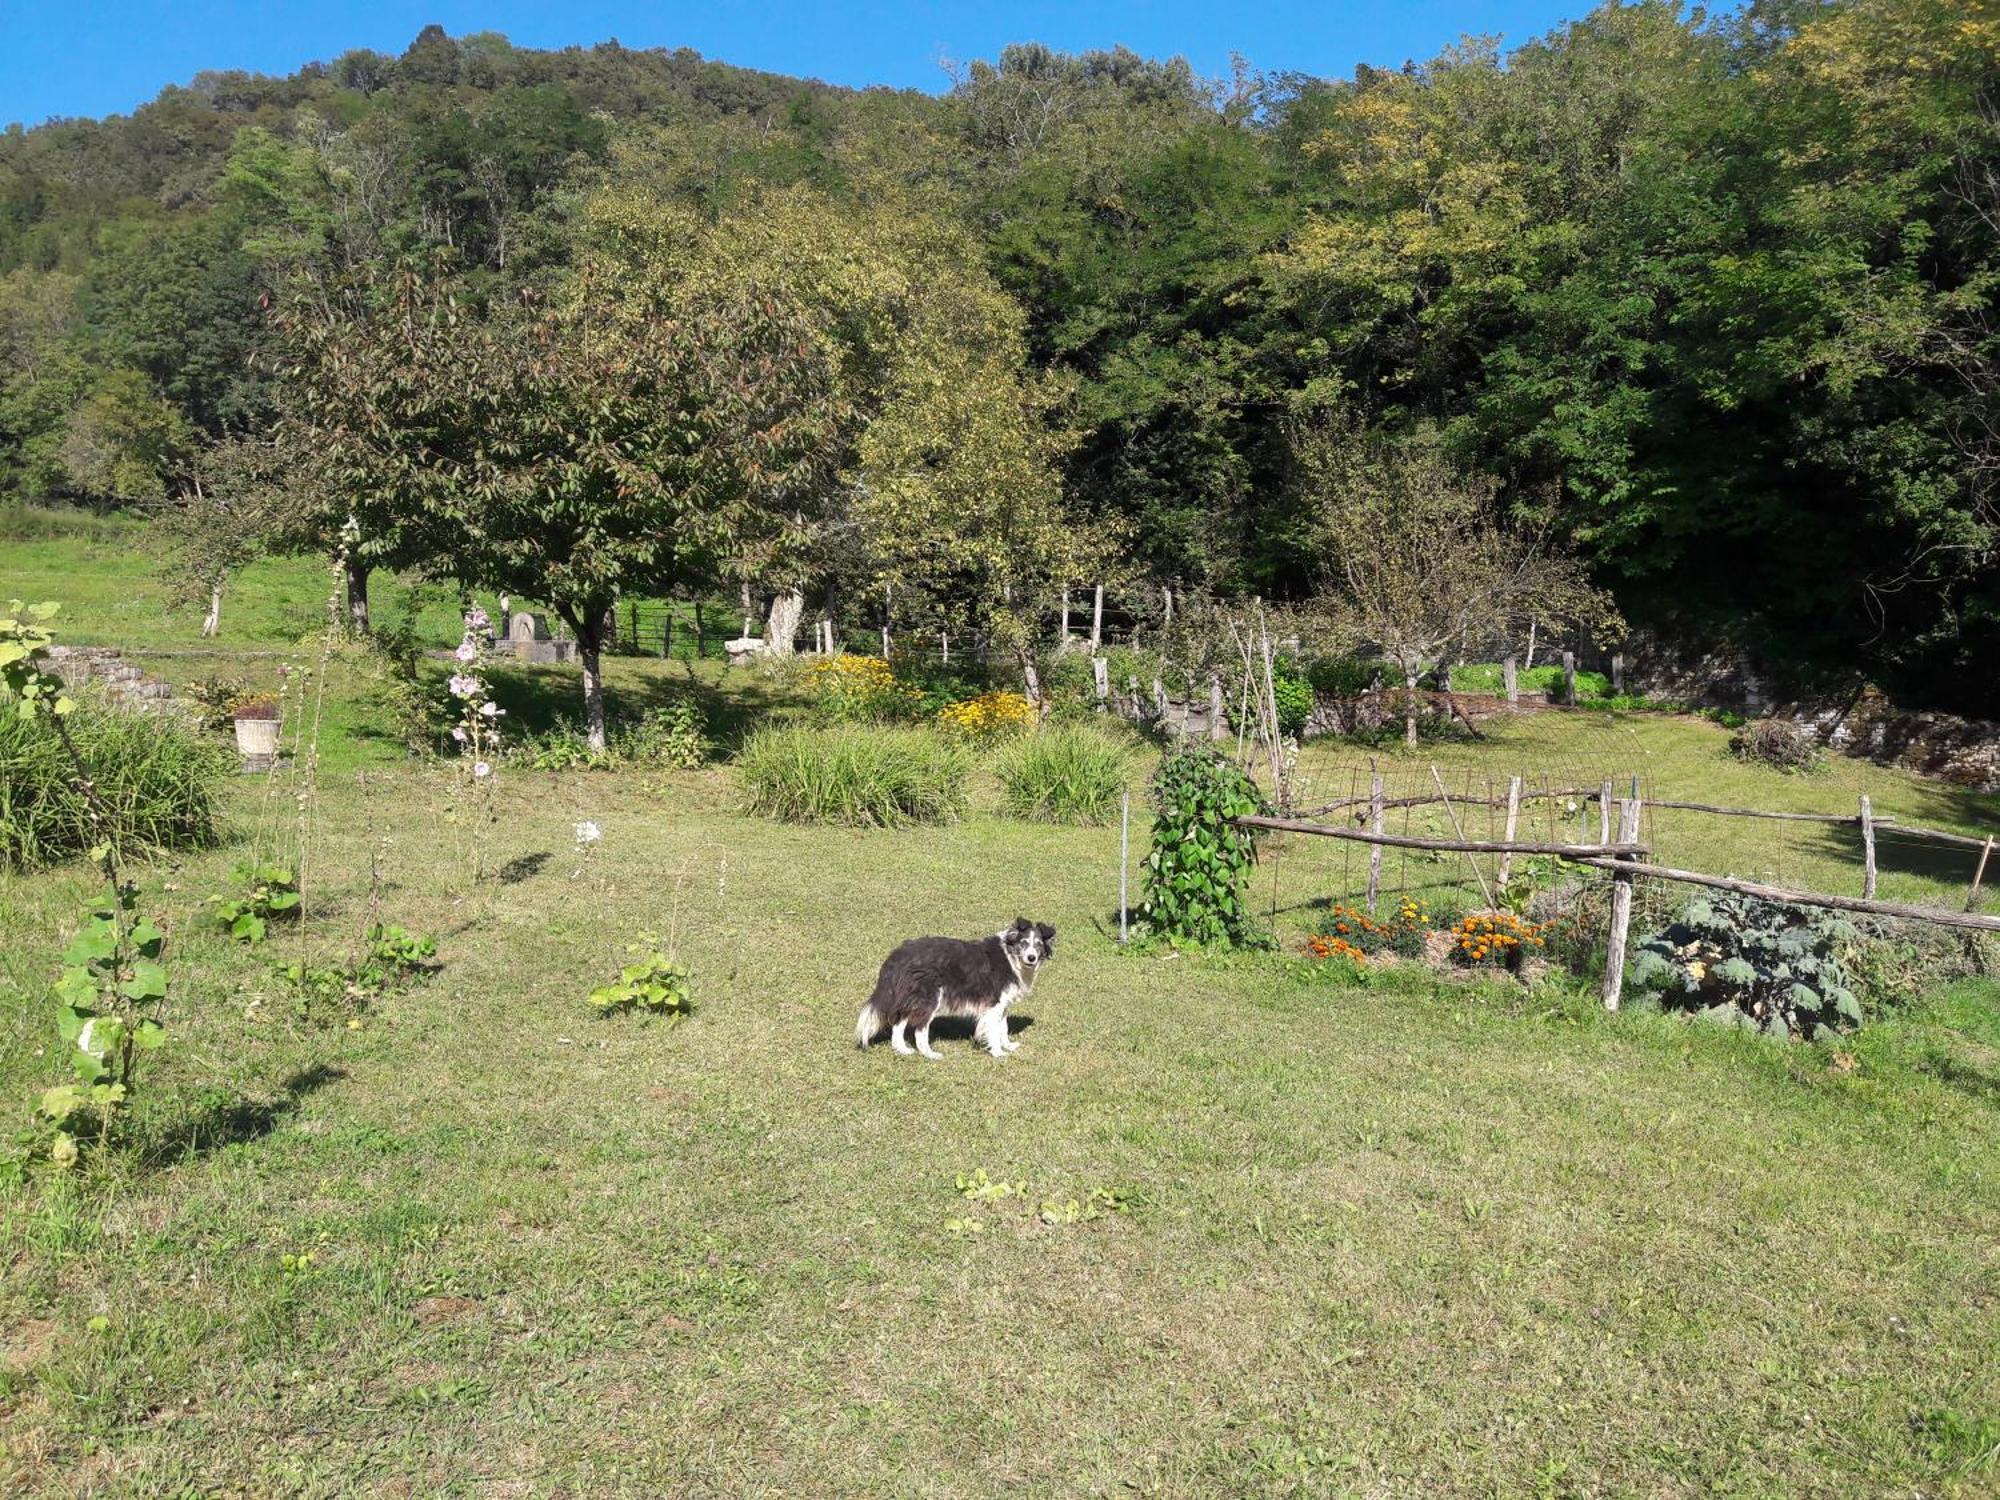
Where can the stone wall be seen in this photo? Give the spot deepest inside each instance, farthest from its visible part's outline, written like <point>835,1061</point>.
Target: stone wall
<point>105,670</point>
<point>1964,752</point>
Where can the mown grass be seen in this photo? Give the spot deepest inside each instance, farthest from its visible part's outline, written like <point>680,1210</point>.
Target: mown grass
<point>1417,1235</point>
<point>1409,1236</point>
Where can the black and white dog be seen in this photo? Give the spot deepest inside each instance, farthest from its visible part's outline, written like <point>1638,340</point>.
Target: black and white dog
<point>935,976</point>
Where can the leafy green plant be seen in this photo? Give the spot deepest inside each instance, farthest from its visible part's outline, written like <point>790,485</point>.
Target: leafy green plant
<point>108,999</point>
<point>1293,690</point>
<point>216,696</point>
<point>1769,968</point>
<point>270,894</point>
<point>674,735</point>
<point>862,778</point>
<point>1200,861</point>
<point>397,951</point>
<point>395,956</point>
<point>1528,878</point>
<point>652,984</point>
<point>979,1187</point>
<point>1070,773</point>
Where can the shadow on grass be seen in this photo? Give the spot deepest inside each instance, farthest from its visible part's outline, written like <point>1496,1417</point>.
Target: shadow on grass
<point>959,1028</point>
<point>220,1122</point>
<point>733,701</point>
<point>522,867</point>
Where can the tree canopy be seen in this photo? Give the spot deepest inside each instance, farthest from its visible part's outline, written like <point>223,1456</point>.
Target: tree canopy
<point>1711,293</point>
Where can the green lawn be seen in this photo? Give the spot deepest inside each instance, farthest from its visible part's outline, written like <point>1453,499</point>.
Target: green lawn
<point>1409,1237</point>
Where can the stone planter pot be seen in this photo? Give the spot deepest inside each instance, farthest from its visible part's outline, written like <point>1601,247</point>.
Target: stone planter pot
<point>257,738</point>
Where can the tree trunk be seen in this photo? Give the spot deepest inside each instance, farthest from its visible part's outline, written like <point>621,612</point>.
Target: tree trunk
<point>357,595</point>
<point>781,628</point>
<point>1410,708</point>
<point>212,621</point>
<point>1031,679</point>
<point>589,650</point>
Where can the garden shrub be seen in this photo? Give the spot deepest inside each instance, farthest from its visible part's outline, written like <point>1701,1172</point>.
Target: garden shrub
<point>1199,863</point>
<point>1069,773</point>
<point>1767,967</point>
<point>1294,694</point>
<point>217,698</point>
<point>1347,676</point>
<point>1780,744</point>
<point>882,777</point>
<point>859,690</point>
<point>674,735</point>
<point>989,716</point>
<point>160,779</point>
<point>1401,931</point>
<point>268,893</point>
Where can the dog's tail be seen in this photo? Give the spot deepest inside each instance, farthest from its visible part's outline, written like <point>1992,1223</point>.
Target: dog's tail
<point>868,1026</point>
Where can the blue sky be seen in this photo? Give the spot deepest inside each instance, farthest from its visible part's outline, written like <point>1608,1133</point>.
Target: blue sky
<point>97,57</point>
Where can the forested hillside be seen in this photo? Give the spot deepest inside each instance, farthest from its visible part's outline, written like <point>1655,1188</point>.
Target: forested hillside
<point>1711,295</point>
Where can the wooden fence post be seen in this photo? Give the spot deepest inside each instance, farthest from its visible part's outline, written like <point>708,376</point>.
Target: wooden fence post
<point>1124,858</point>
<point>1374,850</point>
<point>1621,908</point>
<point>1511,675</point>
<point>1979,874</point>
<point>700,632</point>
<point>944,647</point>
<point>1100,679</point>
<point>1604,812</point>
<point>1569,678</point>
<point>1513,823</point>
<point>1618,672</point>
<point>1867,850</point>
<point>1216,728</point>
<point>1097,621</point>
<point>667,633</point>
<point>1063,641</point>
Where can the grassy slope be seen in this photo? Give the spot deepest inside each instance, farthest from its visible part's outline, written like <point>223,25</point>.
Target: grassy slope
<point>1382,1239</point>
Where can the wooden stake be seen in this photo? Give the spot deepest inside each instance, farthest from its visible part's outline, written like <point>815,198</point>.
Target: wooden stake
<point>1097,620</point>
<point>1569,678</point>
<point>1972,897</point>
<point>1867,850</point>
<point>1513,822</point>
<point>1064,641</point>
<point>1621,908</point>
<point>1452,813</point>
<point>1604,812</point>
<point>1618,672</point>
<point>1375,853</point>
<point>1510,674</point>
<point>1124,859</point>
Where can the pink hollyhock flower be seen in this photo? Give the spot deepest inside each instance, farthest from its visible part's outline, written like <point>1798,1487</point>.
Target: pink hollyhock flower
<point>482,769</point>
<point>463,686</point>
<point>467,652</point>
<point>458,733</point>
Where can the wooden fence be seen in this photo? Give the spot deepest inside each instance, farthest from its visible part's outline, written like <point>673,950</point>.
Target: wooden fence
<point>1625,857</point>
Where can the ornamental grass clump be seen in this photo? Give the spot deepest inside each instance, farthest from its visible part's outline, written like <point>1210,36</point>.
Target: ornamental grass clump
<point>159,781</point>
<point>1069,774</point>
<point>854,777</point>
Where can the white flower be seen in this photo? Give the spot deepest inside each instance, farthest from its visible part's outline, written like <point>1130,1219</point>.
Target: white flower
<point>491,709</point>
<point>588,833</point>
<point>482,769</point>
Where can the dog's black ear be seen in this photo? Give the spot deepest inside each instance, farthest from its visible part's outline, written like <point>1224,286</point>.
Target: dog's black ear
<point>1022,924</point>
<point>1048,932</point>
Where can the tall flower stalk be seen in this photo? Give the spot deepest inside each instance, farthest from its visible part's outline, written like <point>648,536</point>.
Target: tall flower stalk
<point>476,733</point>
